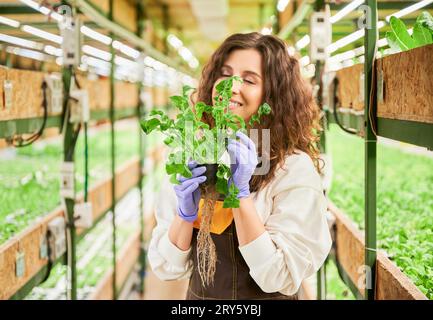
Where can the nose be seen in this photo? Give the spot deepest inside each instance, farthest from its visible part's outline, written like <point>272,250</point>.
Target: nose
<point>236,88</point>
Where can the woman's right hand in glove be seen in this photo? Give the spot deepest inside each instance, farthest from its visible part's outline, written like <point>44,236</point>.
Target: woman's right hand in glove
<point>188,193</point>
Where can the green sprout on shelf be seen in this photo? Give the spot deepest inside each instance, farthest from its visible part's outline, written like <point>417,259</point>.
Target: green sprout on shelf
<point>399,38</point>
<point>189,137</point>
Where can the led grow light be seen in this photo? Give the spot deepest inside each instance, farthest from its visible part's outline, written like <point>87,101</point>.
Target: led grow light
<point>43,34</point>
<point>409,9</point>
<point>97,52</point>
<point>36,55</point>
<point>174,41</point>
<point>131,52</point>
<point>346,10</point>
<point>304,61</point>
<point>282,5</point>
<point>350,38</point>
<point>53,51</point>
<point>20,42</point>
<point>266,31</point>
<point>303,42</point>
<point>43,10</point>
<point>95,35</point>
<point>9,22</point>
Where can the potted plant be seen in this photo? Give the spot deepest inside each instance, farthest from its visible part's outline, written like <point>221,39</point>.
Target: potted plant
<point>191,138</point>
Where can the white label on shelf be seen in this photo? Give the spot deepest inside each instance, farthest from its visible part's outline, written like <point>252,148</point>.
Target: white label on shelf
<point>8,89</point>
<point>43,248</point>
<point>20,265</point>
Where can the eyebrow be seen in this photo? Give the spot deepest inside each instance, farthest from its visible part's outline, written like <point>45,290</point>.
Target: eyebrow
<point>247,71</point>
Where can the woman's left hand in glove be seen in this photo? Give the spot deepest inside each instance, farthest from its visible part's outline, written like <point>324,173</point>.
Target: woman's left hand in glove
<point>243,159</point>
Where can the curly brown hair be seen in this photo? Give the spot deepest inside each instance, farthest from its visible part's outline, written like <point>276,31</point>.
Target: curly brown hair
<point>295,119</point>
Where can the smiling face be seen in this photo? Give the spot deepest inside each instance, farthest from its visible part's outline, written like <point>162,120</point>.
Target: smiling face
<point>247,96</point>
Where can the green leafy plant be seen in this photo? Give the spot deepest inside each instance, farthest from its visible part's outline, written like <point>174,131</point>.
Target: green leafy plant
<point>399,38</point>
<point>189,137</point>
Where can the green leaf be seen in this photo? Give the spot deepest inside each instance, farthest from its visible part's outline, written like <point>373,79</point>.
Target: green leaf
<point>231,202</point>
<point>179,102</point>
<point>173,179</point>
<point>403,37</point>
<point>426,20</point>
<point>265,109</point>
<point>149,125</point>
<point>221,186</point>
<point>168,140</point>
<point>155,112</point>
<point>421,35</point>
<point>186,89</point>
<point>166,125</point>
<point>392,41</point>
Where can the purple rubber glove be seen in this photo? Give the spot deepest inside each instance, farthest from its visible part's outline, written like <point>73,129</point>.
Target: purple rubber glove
<point>188,193</point>
<point>243,159</point>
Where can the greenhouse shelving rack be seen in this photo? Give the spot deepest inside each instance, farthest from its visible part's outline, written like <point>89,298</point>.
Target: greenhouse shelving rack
<point>26,126</point>
<point>413,132</point>
<point>126,261</point>
<point>101,109</point>
<point>348,255</point>
<point>100,196</point>
<point>401,115</point>
<point>377,99</point>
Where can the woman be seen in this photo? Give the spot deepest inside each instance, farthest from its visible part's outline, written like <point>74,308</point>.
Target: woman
<point>279,234</point>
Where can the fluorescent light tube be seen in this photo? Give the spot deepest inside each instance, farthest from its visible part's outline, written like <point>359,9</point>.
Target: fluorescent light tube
<point>131,52</point>
<point>305,60</point>
<point>409,9</point>
<point>36,6</point>
<point>43,34</point>
<point>27,53</point>
<point>303,42</point>
<point>96,35</point>
<point>174,41</point>
<point>282,4</point>
<point>9,22</point>
<point>346,10</point>
<point>21,42</point>
<point>53,51</point>
<point>105,55</point>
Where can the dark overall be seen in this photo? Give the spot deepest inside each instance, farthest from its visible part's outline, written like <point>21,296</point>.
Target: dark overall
<point>232,279</point>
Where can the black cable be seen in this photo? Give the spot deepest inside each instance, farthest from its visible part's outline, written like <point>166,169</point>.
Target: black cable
<point>49,262</point>
<point>24,143</point>
<point>337,120</point>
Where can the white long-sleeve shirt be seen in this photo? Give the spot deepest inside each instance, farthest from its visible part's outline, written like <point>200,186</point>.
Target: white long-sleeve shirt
<point>295,244</point>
